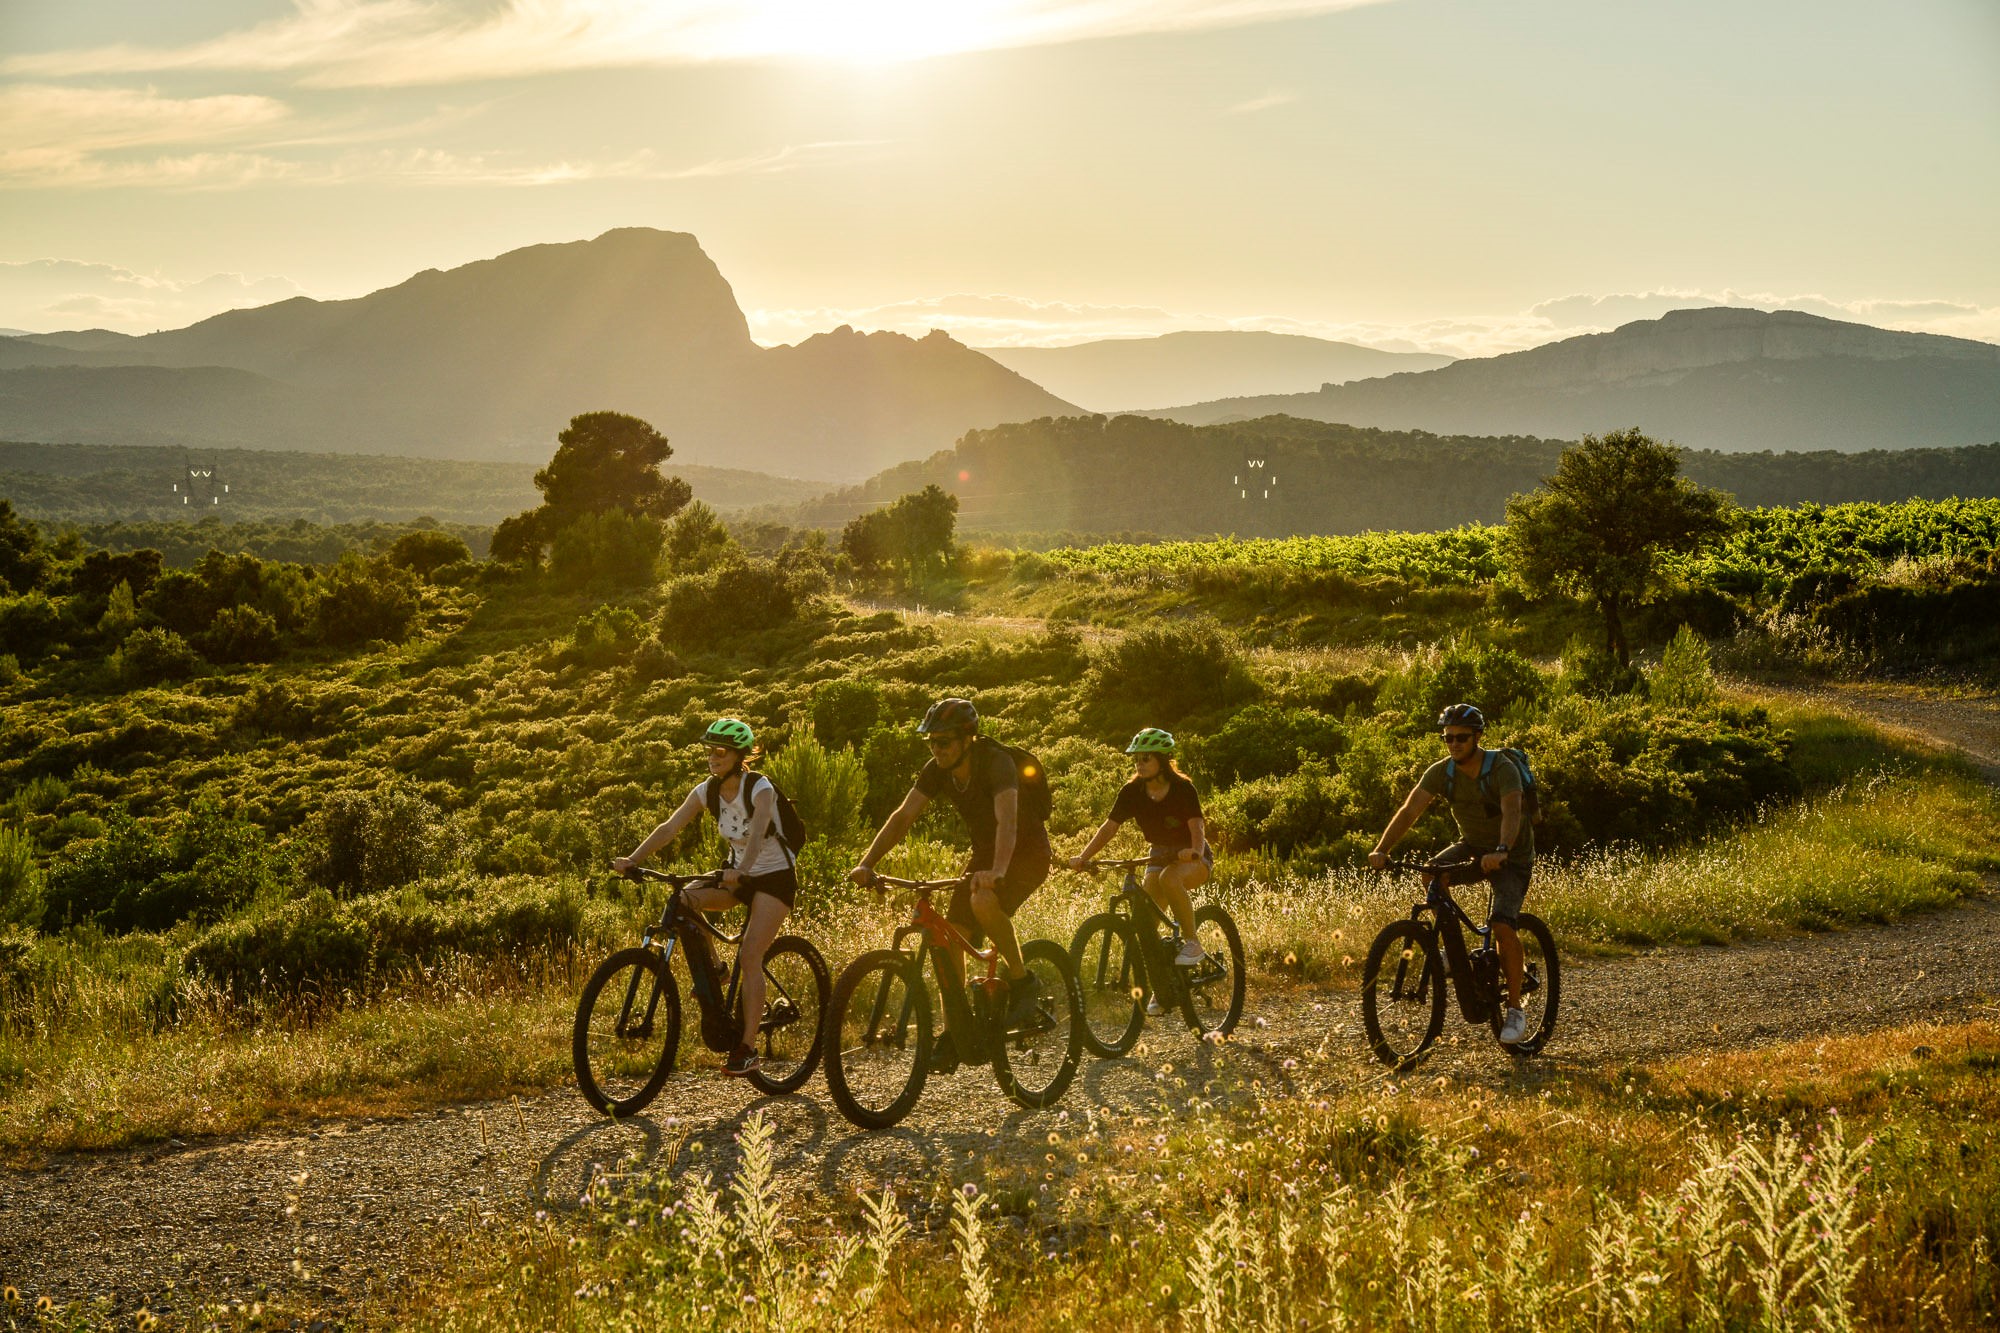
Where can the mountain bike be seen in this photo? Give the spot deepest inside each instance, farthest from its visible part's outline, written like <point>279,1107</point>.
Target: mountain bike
<point>881,1034</point>
<point>628,1020</point>
<point>1118,950</point>
<point>1413,961</point>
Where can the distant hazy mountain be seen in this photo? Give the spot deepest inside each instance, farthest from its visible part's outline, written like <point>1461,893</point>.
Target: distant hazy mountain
<point>1715,379</point>
<point>490,360</point>
<point>1120,374</point>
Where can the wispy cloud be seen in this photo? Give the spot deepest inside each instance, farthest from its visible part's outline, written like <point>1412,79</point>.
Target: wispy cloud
<point>1275,98</point>
<point>57,133</point>
<point>355,43</point>
<point>45,295</point>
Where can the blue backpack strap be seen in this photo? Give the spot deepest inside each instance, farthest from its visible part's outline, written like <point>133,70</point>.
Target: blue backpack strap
<point>1486,768</point>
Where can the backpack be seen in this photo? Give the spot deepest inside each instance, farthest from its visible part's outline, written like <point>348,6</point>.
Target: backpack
<point>791,830</point>
<point>1531,791</point>
<point>1036,799</point>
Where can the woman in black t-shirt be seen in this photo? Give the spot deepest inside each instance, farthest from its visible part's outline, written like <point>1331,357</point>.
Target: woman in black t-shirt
<point>1164,802</point>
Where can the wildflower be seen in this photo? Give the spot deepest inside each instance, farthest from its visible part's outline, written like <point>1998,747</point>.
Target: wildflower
<point>1262,1021</point>
<point>1291,960</point>
<point>1291,1064</point>
<point>12,1294</point>
<point>146,1321</point>
<point>970,1189</point>
<point>1054,1137</point>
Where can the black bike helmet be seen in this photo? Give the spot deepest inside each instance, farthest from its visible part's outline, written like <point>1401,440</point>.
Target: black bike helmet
<point>1462,715</point>
<point>948,715</point>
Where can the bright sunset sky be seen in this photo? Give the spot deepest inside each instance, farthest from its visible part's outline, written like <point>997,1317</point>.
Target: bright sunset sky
<point>1464,176</point>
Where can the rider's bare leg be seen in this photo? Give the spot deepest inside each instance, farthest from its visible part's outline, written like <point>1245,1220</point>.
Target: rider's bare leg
<point>1512,962</point>
<point>993,919</point>
<point>1170,887</point>
<point>766,915</point>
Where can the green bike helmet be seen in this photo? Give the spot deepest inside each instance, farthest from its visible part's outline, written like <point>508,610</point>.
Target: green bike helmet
<point>1151,741</point>
<point>729,732</point>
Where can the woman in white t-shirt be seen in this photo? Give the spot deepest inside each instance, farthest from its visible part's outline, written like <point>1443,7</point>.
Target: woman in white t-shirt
<point>761,874</point>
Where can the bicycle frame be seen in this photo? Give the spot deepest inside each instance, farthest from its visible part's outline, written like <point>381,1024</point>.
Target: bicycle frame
<point>1129,900</point>
<point>1463,968</point>
<point>939,937</point>
<point>685,926</point>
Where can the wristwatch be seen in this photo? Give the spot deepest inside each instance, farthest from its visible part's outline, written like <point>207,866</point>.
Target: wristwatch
<point>1502,848</point>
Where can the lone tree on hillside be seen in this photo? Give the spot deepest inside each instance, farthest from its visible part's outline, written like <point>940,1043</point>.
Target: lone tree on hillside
<point>604,461</point>
<point>1600,525</point>
<point>914,532</point>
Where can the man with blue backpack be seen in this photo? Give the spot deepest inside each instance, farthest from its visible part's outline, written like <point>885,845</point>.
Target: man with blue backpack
<point>1492,796</point>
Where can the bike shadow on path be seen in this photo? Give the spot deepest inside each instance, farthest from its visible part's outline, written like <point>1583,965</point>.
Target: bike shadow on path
<point>664,1150</point>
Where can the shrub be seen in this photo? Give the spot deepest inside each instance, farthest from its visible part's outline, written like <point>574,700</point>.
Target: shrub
<point>1590,670</point>
<point>1684,678</point>
<point>1263,740</point>
<point>276,708</point>
<point>829,786</point>
<point>1159,675</point>
<point>305,946</point>
<point>730,601</point>
<point>30,625</point>
<point>653,660</point>
<point>425,552</point>
<point>845,709</point>
<point>365,600</point>
<point>891,757</point>
<point>152,655</point>
<point>697,541</point>
<point>20,881</point>
<point>200,867</point>
<point>363,842</point>
<point>240,634</point>
<point>603,635</point>
<point>1462,671</point>
<point>10,669</point>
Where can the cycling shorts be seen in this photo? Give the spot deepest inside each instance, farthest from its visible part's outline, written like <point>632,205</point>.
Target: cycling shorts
<point>780,884</point>
<point>1025,874</point>
<point>1510,881</point>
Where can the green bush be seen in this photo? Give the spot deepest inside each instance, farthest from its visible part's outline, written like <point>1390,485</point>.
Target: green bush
<point>240,634</point>
<point>20,881</point>
<point>308,946</point>
<point>708,610</point>
<point>605,634</point>
<point>201,866</point>
<point>1685,678</point>
<point>611,549</point>
<point>1263,740</point>
<point>277,708</point>
<point>30,625</point>
<point>697,541</point>
<point>364,600</point>
<point>845,709</point>
<point>1161,674</point>
<point>828,786</point>
<point>1496,680</point>
<point>151,656</point>
<point>891,757</point>
<point>424,553</point>
<point>364,842</point>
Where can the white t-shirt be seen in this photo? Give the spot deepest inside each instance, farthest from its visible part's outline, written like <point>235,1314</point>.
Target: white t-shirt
<point>736,830</point>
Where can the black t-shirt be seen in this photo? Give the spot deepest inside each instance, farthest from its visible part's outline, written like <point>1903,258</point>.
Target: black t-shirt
<point>1165,821</point>
<point>992,772</point>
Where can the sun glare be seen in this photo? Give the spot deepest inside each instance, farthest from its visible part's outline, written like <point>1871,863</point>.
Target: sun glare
<point>869,31</point>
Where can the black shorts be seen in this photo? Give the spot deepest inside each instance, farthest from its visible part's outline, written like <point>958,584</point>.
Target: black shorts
<point>1025,874</point>
<point>780,884</point>
<point>1165,858</point>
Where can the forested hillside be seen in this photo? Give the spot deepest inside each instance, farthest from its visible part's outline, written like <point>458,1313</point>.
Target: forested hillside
<point>1279,476</point>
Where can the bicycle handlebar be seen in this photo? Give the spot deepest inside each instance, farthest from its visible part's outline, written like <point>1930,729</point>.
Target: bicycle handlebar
<point>1431,867</point>
<point>1128,863</point>
<point>878,881</point>
<point>638,873</point>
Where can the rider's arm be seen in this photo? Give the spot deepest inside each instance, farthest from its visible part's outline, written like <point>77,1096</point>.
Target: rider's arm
<point>1197,836</point>
<point>689,812</point>
<point>893,828</point>
<point>1510,817</point>
<point>1105,833</point>
<point>1006,818</point>
<point>1403,821</point>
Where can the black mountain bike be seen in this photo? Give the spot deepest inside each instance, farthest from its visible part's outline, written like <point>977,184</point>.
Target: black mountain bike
<point>1412,961</point>
<point>628,1021</point>
<point>880,1036</point>
<point>1122,960</point>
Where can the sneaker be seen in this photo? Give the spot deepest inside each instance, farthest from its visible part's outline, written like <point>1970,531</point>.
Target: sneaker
<point>742,1061</point>
<point>1191,954</point>
<point>1153,1007</point>
<point>944,1054</point>
<point>1515,1028</point>
<point>1021,996</point>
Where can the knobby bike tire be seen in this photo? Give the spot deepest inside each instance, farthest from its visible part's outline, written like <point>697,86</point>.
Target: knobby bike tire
<point>1197,1002</point>
<point>1388,968</point>
<point>1062,1007</point>
<point>854,1034</point>
<point>1111,984</point>
<point>764,1079</point>
<point>1536,937</point>
<point>650,970</point>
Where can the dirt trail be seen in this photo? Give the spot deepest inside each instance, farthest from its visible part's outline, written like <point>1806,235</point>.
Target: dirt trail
<point>210,1217</point>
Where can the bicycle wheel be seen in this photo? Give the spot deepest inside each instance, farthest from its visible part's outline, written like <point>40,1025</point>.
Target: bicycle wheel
<point>1212,996</point>
<point>1541,987</point>
<point>1402,993</point>
<point>1036,1060</point>
<point>796,995</point>
<point>879,1038</point>
<point>628,1029</point>
<point>1111,982</point>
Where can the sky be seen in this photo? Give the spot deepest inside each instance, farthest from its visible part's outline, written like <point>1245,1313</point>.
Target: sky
<point>1459,176</point>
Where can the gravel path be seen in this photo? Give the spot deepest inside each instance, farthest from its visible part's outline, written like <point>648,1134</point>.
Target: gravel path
<point>210,1218</point>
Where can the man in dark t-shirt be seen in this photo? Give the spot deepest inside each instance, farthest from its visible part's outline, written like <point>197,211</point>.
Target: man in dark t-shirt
<point>1010,853</point>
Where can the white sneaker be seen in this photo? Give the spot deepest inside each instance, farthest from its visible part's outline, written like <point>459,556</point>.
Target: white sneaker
<point>1153,1008</point>
<point>1515,1028</point>
<point>1190,955</point>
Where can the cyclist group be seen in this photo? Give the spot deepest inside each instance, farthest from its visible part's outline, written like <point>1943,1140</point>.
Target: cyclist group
<point>1003,799</point>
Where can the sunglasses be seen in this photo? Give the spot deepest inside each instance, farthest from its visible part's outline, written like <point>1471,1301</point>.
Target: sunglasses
<point>1460,737</point>
<point>944,742</point>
